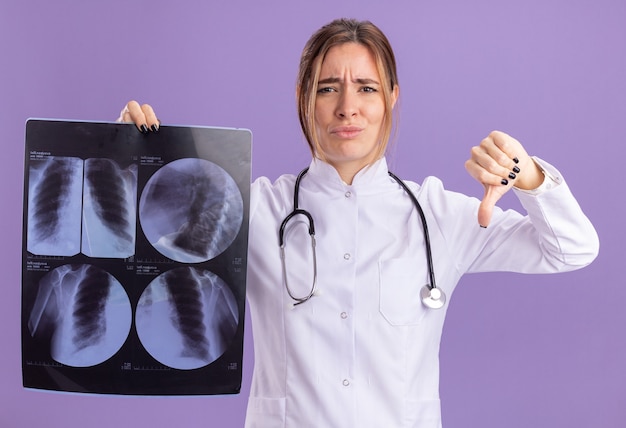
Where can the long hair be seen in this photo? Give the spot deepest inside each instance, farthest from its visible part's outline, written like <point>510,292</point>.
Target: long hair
<point>335,33</point>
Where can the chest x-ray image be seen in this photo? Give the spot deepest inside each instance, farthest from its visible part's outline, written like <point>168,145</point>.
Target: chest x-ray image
<point>82,312</point>
<point>81,206</point>
<point>191,210</point>
<point>55,202</point>
<point>109,209</point>
<point>134,258</point>
<point>187,317</point>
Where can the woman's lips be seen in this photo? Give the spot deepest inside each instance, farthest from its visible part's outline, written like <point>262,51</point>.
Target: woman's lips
<point>346,131</point>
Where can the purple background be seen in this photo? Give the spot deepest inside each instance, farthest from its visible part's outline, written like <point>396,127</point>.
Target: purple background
<point>518,351</point>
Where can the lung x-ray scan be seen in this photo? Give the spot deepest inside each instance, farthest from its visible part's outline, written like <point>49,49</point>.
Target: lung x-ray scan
<point>134,258</point>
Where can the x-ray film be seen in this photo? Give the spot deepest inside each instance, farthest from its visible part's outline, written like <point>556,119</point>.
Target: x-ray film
<point>134,258</point>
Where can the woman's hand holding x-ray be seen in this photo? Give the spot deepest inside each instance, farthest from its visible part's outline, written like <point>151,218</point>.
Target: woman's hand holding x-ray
<point>142,116</point>
<point>500,162</point>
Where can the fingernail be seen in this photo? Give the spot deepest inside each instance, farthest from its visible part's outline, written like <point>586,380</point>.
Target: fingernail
<point>516,170</point>
<point>154,128</point>
<point>144,129</point>
<point>516,160</point>
<point>483,227</point>
<point>504,182</point>
<point>512,176</point>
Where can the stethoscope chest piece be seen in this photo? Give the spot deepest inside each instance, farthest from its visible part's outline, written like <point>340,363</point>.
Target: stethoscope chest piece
<point>432,298</point>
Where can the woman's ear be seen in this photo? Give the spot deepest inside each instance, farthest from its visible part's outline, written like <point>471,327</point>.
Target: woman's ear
<point>395,93</point>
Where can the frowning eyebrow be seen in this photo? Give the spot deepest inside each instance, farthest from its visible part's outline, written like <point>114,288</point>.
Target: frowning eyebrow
<point>361,81</point>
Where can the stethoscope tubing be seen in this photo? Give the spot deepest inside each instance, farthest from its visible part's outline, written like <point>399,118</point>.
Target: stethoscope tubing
<point>432,296</point>
<point>429,253</point>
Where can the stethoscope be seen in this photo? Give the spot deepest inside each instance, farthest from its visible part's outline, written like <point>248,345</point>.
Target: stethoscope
<point>432,296</point>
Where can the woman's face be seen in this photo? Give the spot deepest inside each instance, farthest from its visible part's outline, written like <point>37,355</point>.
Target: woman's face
<point>349,108</point>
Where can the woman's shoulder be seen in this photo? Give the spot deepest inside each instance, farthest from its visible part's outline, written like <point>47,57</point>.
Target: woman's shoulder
<point>266,185</point>
<point>276,195</point>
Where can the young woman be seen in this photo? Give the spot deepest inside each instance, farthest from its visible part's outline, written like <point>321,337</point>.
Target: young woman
<point>347,327</point>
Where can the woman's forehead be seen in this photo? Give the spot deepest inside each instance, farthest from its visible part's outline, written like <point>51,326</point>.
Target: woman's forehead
<point>349,57</point>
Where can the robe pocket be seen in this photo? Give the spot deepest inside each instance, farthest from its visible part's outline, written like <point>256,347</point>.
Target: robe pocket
<point>400,283</point>
<point>265,412</point>
<point>423,413</point>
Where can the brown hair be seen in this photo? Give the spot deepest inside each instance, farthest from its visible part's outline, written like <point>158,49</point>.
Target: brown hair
<point>335,33</point>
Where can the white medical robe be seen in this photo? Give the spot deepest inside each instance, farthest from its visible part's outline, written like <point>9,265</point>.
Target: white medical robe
<point>363,353</point>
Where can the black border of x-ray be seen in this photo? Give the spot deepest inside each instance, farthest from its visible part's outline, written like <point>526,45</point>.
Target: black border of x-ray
<point>132,371</point>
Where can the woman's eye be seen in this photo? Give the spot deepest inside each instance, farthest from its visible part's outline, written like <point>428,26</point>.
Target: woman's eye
<point>325,90</point>
<point>368,89</point>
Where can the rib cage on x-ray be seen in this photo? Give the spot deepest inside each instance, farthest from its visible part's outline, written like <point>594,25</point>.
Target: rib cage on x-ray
<point>109,209</point>
<point>54,206</point>
<point>203,228</point>
<point>88,308</point>
<point>134,258</point>
<point>186,298</point>
<point>186,318</point>
<point>191,210</point>
<point>82,312</point>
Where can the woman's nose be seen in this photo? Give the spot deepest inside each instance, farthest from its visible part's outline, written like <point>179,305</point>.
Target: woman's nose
<point>347,105</point>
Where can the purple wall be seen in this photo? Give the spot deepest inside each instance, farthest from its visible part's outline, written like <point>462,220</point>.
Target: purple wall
<point>518,351</point>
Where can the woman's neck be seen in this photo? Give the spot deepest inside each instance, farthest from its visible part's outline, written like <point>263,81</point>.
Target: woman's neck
<point>348,170</point>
